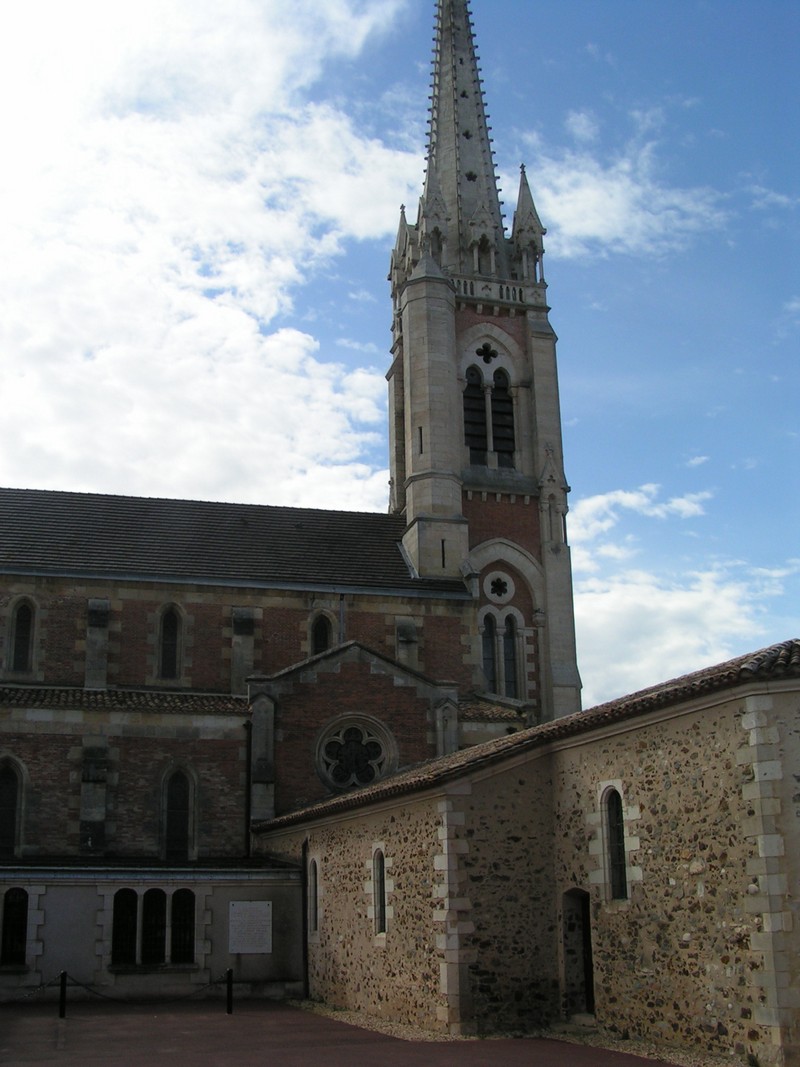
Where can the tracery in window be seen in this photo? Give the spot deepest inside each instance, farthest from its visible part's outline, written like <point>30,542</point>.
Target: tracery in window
<point>9,808</point>
<point>14,931</point>
<point>355,752</point>
<point>22,621</point>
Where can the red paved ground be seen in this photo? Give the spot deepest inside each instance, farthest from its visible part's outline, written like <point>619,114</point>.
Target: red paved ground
<point>258,1034</point>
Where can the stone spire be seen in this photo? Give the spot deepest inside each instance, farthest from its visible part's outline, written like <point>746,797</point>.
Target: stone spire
<point>460,220</point>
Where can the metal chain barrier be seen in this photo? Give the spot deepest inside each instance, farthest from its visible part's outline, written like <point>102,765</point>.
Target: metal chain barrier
<point>63,980</point>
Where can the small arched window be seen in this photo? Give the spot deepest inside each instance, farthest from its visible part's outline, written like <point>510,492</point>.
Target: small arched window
<point>182,939</point>
<point>177,822</point>
<point>510,657</point>
<point>123,930</point>
<point>321,635</point>
<point>313,897</point>
<point>22,638</point>
<point>154,926</point>
<point>615,842</point>
<point>169,644</point>
<point>489,641</point>
<point>379,891</point>
<point>502,420</point>
<point>475,418</point>
<point>9,809</point>
<point>14,934</point>
<point>484,256</point>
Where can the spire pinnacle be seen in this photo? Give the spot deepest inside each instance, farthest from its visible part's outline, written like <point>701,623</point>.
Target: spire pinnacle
<point>461,199</point>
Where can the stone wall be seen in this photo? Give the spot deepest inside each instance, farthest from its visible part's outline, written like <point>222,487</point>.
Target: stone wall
<point>688,956</point>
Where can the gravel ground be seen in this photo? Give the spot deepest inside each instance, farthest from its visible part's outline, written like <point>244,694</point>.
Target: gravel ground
<point>648,1050</point>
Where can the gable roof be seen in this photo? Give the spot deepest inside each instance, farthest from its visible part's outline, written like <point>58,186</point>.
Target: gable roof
<point>93,535</point>
<point>774,663</point>
<point>178,702</point>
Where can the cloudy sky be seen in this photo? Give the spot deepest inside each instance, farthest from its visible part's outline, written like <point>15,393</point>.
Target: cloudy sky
<point>196,209</point>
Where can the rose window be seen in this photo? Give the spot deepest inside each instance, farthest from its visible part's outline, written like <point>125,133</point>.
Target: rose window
<point>354,753</point>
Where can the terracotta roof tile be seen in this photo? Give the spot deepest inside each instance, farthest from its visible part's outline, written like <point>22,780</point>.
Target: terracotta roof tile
<point>777,661</point>
<point>178,703</point>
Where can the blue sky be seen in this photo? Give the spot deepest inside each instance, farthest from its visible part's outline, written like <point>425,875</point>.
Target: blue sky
<point>196,217</point>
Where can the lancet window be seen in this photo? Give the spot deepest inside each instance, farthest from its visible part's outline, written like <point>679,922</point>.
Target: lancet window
<point>489,419</point>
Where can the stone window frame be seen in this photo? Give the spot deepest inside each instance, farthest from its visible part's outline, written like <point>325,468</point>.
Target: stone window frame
<point>600,846</point>
<point>379,917</point>
<point>180,641</point>
<point>147,898</point>
<point>314,621</point>
<point>166,777</point>
<point>499,617</point>
<point>11,935</point>
<point>21,772</point>
<point>32,644</point>
<point>314,898</point>
<point>501,376</point>
<point>374,729</point>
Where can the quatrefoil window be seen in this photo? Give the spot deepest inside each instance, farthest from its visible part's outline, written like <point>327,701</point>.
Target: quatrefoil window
<point>486,352</point>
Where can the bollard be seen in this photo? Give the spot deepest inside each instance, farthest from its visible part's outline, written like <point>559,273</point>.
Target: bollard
<point>229,984</point>
<point>62,996</point>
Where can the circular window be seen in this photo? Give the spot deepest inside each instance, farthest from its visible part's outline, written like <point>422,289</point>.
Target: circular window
<point>355,752</point>
<point>498,587</point>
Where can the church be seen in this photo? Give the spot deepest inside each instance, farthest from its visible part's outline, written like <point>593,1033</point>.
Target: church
<point>344,755</point>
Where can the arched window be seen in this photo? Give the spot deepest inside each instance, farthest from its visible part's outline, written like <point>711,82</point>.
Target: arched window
<point>475,417</point>
<point>489,641</point>
<point>14,935</point>
<point>379,891</point>
<point>123,930</point>
<point>313,898</point>
<point>182,941</point>
<point>154,927</point>
<point>615,843</point>
<point>169,644</point>
<point>9,809</point>
<point>22,638</point>
<point>502,420</point>
<point>177,822</point>
<point>510,657</point>
<point>321,635</point>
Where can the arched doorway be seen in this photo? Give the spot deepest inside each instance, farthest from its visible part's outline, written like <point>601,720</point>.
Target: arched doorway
<point>578,966</point>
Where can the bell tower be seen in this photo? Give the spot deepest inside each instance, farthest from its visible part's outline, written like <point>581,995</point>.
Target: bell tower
<point>475,434</point>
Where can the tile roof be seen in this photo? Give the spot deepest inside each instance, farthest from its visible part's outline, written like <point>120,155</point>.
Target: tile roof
<point>773,663</point>
<point>91,534</point>
<point>178,703</point>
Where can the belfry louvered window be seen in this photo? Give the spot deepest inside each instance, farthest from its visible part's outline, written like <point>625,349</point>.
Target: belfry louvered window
<point>475,417</point>
<point>502,420</point>
<point>489,417</point>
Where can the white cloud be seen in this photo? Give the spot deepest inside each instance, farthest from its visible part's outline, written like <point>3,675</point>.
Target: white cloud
<point>166,186</point>
<point>594,516</point>
<point>582,125</point>
<point>639,628</point>
<point>697,461</point>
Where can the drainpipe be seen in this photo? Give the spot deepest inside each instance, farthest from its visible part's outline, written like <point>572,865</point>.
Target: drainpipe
<point>248,800</point>
<point>304,916</point>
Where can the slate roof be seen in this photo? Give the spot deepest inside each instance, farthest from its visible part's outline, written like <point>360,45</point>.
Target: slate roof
<point>89,534</point>
<point>774,663</point>
<point>63,698</point>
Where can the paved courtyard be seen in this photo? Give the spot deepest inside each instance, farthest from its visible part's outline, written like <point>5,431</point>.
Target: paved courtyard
<point>258,1034</point>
